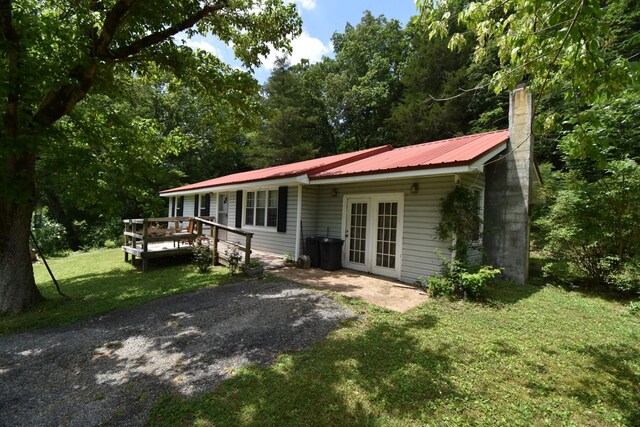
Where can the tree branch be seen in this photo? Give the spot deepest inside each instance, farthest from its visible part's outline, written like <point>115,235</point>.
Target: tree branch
<point>12,43</point>
<point>160,36</point>
<point>61,99</point>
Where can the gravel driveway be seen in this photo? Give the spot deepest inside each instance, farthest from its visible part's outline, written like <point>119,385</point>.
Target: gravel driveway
<point>111,368</point>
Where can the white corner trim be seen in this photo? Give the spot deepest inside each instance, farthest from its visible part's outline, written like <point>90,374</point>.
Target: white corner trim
<point>298,221</point>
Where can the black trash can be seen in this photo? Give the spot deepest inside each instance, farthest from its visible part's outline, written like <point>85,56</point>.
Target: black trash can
<point>313,250</point>
<point>331,254</point>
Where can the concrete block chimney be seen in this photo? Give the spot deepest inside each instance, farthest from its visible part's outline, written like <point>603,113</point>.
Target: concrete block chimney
<point>508,193</point>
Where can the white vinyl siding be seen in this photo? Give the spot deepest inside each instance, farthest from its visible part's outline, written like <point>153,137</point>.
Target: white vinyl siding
<point>267,239</point>
<point>421,217</point>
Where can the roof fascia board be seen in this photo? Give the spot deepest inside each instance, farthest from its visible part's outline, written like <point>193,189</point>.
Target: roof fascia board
<point>416,173</point>
<point>301,179</point>
<point>479,164</point>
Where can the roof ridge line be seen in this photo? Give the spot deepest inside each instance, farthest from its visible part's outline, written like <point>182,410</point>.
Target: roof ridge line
<point>366,154</point>
<point>439,141</point>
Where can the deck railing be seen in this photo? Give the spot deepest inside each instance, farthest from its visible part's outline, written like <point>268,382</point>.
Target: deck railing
<point>138,234</point>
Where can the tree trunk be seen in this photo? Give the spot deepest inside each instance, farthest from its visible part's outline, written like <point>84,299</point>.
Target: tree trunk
<point>17,286</point>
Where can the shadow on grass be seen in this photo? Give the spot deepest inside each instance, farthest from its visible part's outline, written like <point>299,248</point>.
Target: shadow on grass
<point>574,284</point>
<point>92,291</point>
<point>348,380</point>
<point>620,386</point>
<point>502,293</point>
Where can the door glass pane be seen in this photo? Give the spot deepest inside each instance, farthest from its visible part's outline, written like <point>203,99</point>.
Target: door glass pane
<point>358,232</point>
<point>387,227</point>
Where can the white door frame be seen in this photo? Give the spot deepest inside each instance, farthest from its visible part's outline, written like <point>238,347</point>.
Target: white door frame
<point>373,200</point>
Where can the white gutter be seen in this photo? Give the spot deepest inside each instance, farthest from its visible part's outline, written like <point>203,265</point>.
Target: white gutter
<point>298,222</point>
<point>294,180</point>
<point>395,175</point>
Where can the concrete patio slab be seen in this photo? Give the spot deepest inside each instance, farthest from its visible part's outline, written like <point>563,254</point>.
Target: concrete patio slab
<point>372,289</point>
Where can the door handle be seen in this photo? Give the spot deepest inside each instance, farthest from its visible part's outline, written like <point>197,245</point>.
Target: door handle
<point>346,233</point>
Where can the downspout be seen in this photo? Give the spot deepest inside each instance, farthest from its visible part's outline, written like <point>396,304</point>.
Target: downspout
<point>298,222</point>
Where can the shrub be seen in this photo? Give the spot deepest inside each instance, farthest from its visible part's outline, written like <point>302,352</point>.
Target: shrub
<point>457,281</point>
<point>593,225</point>
<point>474,285</point>
<point>110,244</point>
<point>288,259</point>
<point>438,286</point>
<point>202,255</point>
<point>50,235</point>
<point>634,308</point>
<point>233,257</point>
<point>627,279</point>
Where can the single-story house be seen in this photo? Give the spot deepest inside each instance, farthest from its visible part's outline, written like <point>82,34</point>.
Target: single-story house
<point>384,202</point>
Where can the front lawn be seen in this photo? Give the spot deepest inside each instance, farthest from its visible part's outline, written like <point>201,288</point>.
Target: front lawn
<point>100,281</point>
<point>534,356</point>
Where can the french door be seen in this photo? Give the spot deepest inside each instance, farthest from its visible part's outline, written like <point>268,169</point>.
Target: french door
<point>373,233</point>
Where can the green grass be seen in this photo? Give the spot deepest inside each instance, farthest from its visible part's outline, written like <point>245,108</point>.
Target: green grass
<point>100,281</point>
<point>533,356</point>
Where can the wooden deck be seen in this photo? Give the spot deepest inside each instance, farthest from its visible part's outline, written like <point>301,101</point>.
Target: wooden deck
<point>150,238</point>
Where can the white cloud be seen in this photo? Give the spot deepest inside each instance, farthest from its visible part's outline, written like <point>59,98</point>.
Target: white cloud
<point>307,4</point>
<point>304,4</point>
<point>203,45</point>
<point>304,47</point>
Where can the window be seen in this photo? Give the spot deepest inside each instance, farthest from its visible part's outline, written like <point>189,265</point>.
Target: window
<point>261,209</point>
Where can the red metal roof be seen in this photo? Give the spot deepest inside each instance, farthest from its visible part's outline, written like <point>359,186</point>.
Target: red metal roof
<point>445,153</point>
<point>283,171</point>
<point>437,154</point>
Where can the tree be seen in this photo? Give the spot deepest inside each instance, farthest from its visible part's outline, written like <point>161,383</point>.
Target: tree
<point>578,51</point>
<point>283,136</point>
<point>54,53</point>
<point>365,81</point>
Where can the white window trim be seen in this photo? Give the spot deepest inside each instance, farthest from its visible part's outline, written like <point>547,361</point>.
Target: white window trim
<point>273,228</point>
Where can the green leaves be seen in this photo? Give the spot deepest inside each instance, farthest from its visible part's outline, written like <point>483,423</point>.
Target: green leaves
<point>560,47</point>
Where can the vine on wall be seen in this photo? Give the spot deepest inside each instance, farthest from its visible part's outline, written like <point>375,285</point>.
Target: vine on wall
<point>460,220</point>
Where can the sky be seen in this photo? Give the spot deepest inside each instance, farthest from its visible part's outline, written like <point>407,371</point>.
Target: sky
<point>320,19</point>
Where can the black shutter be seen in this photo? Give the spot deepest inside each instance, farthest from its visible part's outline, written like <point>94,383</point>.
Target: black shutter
<point>282,209</point>
<point>239,209</point>
<point>173,206</point>
<point>206,205</point>
<point>180,206</point>
<point>196,202</point>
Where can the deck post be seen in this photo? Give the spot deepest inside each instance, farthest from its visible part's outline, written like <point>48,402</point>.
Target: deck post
<point>134,229</point>
<point>145,243</point>
<point>199,228</point>
<point>215,245</point>
<point>247,250</point>
<point>126,240</point>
